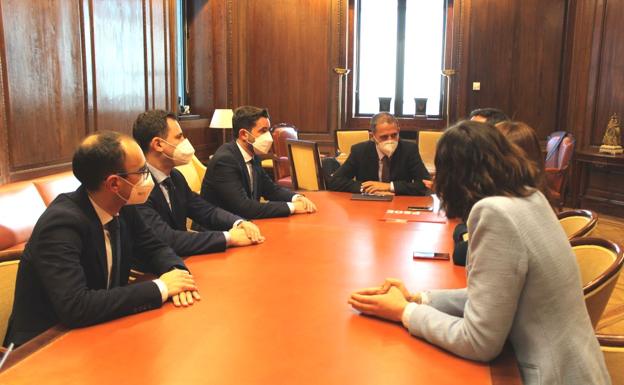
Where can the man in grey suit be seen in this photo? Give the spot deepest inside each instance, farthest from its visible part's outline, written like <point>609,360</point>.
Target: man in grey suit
<point>523,282</point>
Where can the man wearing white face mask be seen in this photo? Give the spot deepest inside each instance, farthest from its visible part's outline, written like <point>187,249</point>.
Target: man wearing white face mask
<point>382,165</point>
<point>172,201</point>
<point>235,180</point>
<point>75,267</point>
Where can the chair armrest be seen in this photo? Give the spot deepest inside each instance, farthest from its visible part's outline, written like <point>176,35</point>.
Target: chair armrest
<point>555,171</point>
<point>10,254</point>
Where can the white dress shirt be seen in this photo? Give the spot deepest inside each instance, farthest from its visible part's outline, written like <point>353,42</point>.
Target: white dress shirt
<point>248,161</point>
<point>160,177</point>
<point>105,217</point>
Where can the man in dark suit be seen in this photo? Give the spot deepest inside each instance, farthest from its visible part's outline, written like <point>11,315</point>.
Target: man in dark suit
<point>235,179</point>
<point>488,115</point>
<point>75,267</point>
<point>171,202</point>
<point>383,165</point>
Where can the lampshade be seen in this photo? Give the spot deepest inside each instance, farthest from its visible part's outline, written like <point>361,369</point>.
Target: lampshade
<point>222,118</point>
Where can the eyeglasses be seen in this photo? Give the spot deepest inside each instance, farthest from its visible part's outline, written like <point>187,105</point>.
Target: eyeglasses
<point>143,171</point>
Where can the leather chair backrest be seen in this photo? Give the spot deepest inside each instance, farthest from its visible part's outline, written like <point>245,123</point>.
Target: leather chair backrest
<point>281,133</point>
<point>20,208</point>
<point>559,150</point>
<point>51,186</point>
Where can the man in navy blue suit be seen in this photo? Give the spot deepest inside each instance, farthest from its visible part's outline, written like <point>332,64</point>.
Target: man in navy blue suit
<point>235,179</point>
<point>383,165</point>
<point>172,201</point>
<point>75,267</point>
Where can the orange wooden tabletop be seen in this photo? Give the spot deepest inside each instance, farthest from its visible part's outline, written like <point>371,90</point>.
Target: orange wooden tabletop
<point>277,313</point>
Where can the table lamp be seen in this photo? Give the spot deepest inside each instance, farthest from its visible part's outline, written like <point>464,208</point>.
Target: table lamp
<point>222,119</point>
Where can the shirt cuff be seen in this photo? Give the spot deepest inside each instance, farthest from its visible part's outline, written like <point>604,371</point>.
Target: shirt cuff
<point>226,234</point>
<point>391,186</point>
<point>291,207</point>
<point>407,312</point>
<point>424,298</point>
<point>164,292</point>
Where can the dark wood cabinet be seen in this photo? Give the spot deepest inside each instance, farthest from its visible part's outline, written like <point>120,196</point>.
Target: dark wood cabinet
<point>599,181</point>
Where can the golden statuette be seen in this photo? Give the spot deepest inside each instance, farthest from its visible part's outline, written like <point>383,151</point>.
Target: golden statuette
<point>612,140</point>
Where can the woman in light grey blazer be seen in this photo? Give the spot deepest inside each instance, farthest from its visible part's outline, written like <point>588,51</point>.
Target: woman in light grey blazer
<point>523,282</point>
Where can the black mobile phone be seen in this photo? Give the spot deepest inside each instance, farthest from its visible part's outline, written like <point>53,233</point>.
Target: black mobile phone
<point>431,255</point>
<point>420,208</point>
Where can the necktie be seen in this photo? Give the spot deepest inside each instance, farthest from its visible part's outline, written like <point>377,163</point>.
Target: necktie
<point>385,169</point>
<point>251,177</point>
<point>115,242</point>
<point>170,190</point>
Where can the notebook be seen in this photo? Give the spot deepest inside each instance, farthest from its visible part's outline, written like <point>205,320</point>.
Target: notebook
<point>369,197</point>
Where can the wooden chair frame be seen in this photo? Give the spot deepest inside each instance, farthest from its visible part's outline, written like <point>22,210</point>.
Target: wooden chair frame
<point>317,162</point>
<point>589,227</point>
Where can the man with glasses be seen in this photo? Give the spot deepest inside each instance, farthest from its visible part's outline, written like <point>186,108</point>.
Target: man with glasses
<point>235,179</point>
<point>383,165</point>
<point>159,135</point>
<point>75,268</point>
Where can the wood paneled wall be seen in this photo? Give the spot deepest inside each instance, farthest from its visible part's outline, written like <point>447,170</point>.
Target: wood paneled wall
<point>73,67</point>
<point>283,55</point>
<point>596,69</point>
<point>514,49</point>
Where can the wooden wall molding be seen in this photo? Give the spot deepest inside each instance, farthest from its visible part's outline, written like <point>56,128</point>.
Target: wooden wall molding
<point>463,51</point>
<point>107,63</point>
<point>4,137</point>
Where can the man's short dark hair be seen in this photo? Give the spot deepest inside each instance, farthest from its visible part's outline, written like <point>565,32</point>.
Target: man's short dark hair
<point>149,125</point>
<point>246,117</point>
<point>382,117</point>
<point>493,116</point>
<point>97,157</point>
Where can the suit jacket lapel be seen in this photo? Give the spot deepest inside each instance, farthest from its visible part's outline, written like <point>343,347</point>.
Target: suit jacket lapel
<point>97,231</point>
<point>179,213</point>
<point>243,167</point>
<point>159,198</point>
<point>395,162</point>
<point>373,160</point>
<point>257,168</point>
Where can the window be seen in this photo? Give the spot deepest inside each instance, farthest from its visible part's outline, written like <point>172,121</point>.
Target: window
<point>399,54</point>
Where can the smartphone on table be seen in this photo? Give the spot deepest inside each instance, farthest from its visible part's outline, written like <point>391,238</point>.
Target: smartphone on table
<point>420,208</point>
<point>431,255</point>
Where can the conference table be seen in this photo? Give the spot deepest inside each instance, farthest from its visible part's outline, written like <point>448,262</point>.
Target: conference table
<point>277,313</point>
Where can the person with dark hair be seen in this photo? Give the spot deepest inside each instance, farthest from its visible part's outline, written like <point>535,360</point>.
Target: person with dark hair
<point>235,179</point>
<point>170,204</point>
<point>522,135</point>
<point>492,116</point>
<point>75,267</point>
<point>523,282</point>
<point>525,137</point>
<point>383,165</point>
